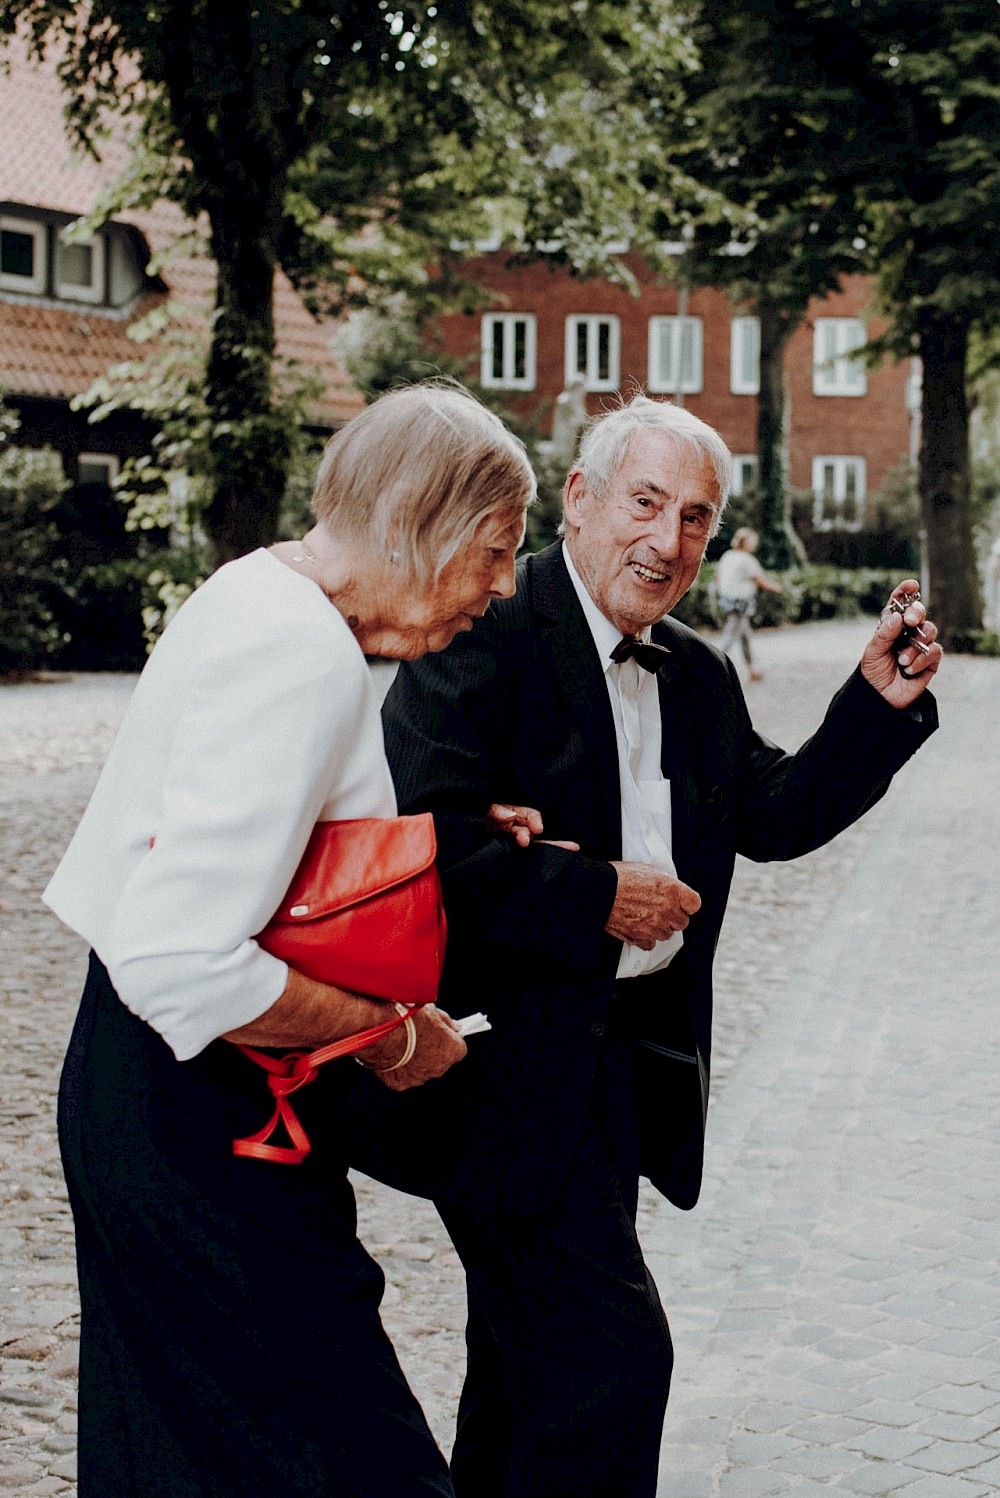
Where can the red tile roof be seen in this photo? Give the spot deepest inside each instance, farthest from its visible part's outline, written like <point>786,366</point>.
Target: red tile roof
<point>56,351</point>
<point>46,351</point>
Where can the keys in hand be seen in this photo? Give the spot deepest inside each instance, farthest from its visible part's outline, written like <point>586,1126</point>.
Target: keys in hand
<point>911,636</point>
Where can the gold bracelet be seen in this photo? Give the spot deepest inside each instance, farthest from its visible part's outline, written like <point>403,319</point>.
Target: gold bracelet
<point>410,1031</point>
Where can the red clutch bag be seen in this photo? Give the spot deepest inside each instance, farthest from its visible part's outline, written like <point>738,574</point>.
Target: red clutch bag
<point>363,912</point>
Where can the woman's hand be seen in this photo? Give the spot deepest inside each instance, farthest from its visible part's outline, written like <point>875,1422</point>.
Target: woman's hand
<point>309,1015</point>
<point>524,824</point>
<point>439,1046</point>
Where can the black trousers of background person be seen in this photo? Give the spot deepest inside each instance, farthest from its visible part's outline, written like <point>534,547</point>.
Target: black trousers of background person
<point>569,1352</point>
<point>231,1345</point>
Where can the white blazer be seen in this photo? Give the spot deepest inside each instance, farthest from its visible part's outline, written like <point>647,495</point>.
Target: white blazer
<point>255,717</point>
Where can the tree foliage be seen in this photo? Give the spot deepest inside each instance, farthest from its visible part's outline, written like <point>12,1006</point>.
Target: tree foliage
<point>863,134</point>
<point>295,125</point>
<point>32,572</point>
<point>779,130</point>
<point>934,201</point>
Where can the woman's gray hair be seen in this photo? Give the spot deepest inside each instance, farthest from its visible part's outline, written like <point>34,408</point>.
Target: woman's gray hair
<point>414,475</point>
<point>606,439</point>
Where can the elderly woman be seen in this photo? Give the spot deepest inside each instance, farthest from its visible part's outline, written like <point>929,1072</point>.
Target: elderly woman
<point>230,1341</point>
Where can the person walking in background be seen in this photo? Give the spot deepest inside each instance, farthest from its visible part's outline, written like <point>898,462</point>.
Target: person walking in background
<point>738,576</point>
<point>231,1340</point>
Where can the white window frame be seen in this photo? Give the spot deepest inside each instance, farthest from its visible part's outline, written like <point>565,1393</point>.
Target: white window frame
<point>30,285</point>
<point>744,330</point>
<point>590,374</point>
<point>835,370</point>
<point>109,460</point>
<point>742,461</point>
<point>692,380</point>
<point>507,380</point>
<point>72,291</point>
<point>830,510</point>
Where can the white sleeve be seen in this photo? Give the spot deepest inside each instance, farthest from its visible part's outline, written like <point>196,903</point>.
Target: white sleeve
<point>250,767</point>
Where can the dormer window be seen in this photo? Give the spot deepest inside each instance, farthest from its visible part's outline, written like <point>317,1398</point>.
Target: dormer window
<point>80,269</point>
<point>22,255</point>
<point>40,258</point>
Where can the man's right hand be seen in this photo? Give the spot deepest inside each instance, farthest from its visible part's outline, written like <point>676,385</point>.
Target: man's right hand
<point>649,906</point>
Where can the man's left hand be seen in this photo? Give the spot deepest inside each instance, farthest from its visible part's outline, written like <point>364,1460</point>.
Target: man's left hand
<point>880,665</point>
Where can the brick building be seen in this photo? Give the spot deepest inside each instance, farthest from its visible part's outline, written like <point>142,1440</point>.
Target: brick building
<point>848,426</point>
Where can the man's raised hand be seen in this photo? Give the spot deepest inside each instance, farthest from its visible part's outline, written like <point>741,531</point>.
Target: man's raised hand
<point>900,669</point>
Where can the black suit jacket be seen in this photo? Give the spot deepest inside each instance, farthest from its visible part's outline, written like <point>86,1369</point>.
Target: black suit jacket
<point>518,711</point>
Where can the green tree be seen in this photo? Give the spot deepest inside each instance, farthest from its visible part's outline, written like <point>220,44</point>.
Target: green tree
<point>934,199</point>
<point>872,127</point>
<point>32,573</point>
<point>292,124</point>
<point>768,129</point>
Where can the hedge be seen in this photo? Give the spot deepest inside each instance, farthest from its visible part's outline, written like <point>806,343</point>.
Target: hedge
<point>809,593</point>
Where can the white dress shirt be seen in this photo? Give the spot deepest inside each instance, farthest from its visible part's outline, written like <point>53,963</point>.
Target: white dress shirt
<point>255,718</point>
<point>635,704</point>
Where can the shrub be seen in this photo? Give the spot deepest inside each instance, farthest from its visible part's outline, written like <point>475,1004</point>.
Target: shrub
<point>32,574</point>
<point>889,536</point>
<point>102,617</point>
<point>809,593</point>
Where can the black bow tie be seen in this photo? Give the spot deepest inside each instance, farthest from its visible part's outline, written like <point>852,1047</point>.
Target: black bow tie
<point>650,657</point>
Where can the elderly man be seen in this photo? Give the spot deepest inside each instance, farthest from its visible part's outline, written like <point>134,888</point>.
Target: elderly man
<point>593,956</point>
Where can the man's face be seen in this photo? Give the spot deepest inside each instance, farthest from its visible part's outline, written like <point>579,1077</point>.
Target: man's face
<point>639,548</point>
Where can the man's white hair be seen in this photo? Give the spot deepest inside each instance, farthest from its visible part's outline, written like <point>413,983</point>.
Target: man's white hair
<point>606,439</point>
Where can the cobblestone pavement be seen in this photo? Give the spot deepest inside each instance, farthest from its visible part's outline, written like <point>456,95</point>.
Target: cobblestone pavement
<point>744,1301</point>
<point>834,1297</point>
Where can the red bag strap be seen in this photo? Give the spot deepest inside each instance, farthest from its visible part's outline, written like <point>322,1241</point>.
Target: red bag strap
<point>286,1074</point>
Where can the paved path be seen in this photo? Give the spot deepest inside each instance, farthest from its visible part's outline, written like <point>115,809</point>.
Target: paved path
<point>834,1298</point>
<point>770,1282</point>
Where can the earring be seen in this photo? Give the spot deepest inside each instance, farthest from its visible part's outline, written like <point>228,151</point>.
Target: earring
<point>394,557</point>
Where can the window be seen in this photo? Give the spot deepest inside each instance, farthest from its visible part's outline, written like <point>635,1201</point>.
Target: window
<point>675,355</point>
<point>22,255</point>
<point>80,269</point>
<point>835,372</point>
<point>592,351</point>
<point>97,469</point>
<point>744,472</point>
<point>839,493</point>
<point>744,356</point>
<point>508,351</point>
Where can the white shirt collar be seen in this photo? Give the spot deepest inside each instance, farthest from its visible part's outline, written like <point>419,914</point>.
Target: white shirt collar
<point>606,635</point>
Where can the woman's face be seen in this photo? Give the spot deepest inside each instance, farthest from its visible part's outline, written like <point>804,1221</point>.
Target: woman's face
<point>429,618</point>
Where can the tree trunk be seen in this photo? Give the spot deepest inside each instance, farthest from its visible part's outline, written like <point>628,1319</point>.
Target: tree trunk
<point>250,444</point>
<point>955,602</point>
<point>779,547</point>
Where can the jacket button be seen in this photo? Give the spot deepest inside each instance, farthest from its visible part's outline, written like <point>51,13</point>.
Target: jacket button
<point>597,1029</point>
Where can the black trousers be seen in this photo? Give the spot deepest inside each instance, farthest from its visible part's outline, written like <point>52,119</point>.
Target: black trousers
<point>231,1345</point>
<point>569,1352</point>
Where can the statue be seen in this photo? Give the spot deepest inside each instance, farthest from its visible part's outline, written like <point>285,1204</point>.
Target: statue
<point>569,420</point>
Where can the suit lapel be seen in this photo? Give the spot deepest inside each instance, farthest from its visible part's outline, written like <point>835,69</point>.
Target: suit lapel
<point>676,753</point>
<point>567,642</point>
